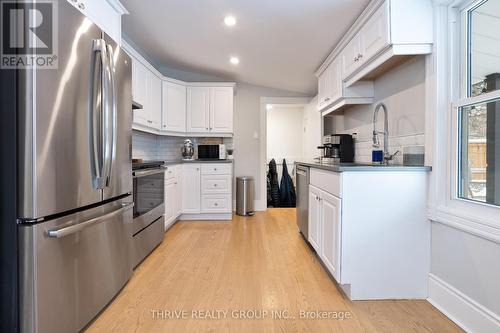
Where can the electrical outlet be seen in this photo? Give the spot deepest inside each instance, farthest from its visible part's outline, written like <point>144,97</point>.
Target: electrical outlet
<point>355,135</point>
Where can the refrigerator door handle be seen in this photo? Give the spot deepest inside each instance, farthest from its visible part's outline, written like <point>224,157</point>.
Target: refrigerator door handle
<point>114,113</point>
<point>96,134</point>
<point>66,231</point>
<point>106,121</point>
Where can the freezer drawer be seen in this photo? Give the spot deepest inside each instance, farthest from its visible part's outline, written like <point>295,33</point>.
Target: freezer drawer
<point>73,266</point>
<point>145,241</point>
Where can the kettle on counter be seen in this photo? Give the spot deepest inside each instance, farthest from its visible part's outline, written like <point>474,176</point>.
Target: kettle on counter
<point>187,150</point>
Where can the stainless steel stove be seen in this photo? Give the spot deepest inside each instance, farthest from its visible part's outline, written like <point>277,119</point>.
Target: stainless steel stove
<point>149,208</point>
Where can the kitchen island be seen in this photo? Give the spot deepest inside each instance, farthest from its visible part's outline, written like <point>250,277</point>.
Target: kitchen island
<point>367,225</point>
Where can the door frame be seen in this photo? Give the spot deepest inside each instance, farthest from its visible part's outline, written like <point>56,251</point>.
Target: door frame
<point>261,204</point>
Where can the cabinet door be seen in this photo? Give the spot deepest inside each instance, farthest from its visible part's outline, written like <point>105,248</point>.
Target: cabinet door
<point>170,203</point>
<point>198,109</point>
<point>103,14</point>
<point>335,80</point>
<point>140,86</point>
<point>330,233</point>
<point>221,110</point>
<point>314,218</point>
<point>323,89</point>
<point>173,107</point>
<point>191,198</point>
<point>351,56</point>
<point>154,101</point>
<point>375,34</point>
<point>178,192</point>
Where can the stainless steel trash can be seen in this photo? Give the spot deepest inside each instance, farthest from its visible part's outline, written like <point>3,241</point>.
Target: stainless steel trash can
<point>245,187</point>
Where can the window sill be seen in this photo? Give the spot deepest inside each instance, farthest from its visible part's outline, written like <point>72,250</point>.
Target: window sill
<point>485,228</point>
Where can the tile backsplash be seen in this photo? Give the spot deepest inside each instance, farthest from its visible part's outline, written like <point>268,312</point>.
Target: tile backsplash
<point>148,146</point>
<point>364,148</point>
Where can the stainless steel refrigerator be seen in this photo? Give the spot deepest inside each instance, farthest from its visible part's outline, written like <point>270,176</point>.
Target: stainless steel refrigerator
<point>75,179</point>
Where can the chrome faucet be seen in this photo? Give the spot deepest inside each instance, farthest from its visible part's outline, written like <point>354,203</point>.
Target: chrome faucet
<point>376,141</point>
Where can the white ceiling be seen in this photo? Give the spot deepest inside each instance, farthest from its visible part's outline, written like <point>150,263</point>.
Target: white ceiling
<point>280,43</point>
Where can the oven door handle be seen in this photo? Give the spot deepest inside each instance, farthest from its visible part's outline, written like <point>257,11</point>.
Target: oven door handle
<point>59,233</point>
<point>138,174</point>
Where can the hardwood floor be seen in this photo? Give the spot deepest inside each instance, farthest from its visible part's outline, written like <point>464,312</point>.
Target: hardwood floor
<point>249,267</point>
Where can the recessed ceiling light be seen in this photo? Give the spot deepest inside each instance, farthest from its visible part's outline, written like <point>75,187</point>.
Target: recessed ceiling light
<point>269,107</point>
<point>230,20</point>
<point>234,60</point>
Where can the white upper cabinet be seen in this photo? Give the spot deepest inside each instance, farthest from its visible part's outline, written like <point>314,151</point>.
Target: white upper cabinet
<point>383,35</point>
<point>221,109</point>
<point>330,84</point>
<point>106,14</point>
<point>210,109</point>
<point>198,109</point>
<point>351,56</point>
<point>154,95</point>
<point>140,83</point>
<point>375,35</point>
<point>173,107</point>
<point>146,90</point>
<point>372,38</point>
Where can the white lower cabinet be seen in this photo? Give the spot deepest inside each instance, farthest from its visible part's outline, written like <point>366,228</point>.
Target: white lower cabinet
<point>216,203</point>
<point>173,192</point>
<point>191,178</point>
<point>330,233</point>
<point>370,231</point>
<point>206,189</point>
<point>314,217</point>
<point>325,228</point>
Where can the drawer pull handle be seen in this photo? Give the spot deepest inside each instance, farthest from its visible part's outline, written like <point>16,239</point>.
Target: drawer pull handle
<point>215,185</point>
<point>216,204</point>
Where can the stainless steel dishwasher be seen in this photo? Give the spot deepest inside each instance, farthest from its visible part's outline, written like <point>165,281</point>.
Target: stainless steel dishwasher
<point>303,199</point>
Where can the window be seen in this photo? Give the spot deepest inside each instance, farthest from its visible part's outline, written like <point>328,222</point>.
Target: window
<point>479,106</point>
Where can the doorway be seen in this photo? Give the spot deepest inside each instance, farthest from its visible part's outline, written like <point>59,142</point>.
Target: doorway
<point>282,128</point>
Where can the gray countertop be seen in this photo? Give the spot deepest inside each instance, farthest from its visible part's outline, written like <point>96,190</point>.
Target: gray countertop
<point>197,161</point>
<point>348,167</point>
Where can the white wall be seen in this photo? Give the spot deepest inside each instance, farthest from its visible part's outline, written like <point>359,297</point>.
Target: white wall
<point>311,137</point>
<point>247,129</point>
<point>284,133</point>
<point>403,91</point>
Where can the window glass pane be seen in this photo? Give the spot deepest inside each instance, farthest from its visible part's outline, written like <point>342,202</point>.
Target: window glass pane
<point>480,152</point>
<point>484,53</point>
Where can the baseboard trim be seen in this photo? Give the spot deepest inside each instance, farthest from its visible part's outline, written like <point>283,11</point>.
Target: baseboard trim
<point>259,205</point>
<point>206,217</point>
<point>460,308</point>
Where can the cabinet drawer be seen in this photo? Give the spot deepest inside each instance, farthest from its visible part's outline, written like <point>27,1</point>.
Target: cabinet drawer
<point>212,184</point>
<point>171,172</point>
<point>216,203</point>
<point>327,181</point>
<point>216,169</point>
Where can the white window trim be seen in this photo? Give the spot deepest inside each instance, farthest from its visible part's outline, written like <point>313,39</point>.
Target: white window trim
<point>445,93</point>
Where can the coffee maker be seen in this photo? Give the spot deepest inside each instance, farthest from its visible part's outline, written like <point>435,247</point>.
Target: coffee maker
<point>338,148</point>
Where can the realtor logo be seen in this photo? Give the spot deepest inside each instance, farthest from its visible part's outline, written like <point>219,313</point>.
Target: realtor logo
<point>29,34</point>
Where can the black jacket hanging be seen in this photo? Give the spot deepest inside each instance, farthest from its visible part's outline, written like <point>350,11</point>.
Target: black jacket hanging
<point>275,189</point>
<point>287,190</point>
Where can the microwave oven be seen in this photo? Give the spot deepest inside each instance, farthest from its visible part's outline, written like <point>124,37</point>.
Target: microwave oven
<point>212,152</point>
